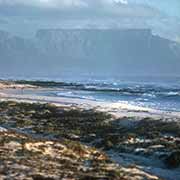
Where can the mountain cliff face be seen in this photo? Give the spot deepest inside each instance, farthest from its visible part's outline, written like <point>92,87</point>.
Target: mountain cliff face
<point>116,51</point>
<point>16,53</point>
<point>93,45</point>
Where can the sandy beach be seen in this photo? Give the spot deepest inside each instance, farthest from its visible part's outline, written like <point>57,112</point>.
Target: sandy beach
<point>144,138</point>
<point>19,92</point>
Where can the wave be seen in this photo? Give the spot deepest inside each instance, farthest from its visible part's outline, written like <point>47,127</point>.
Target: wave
<point>171,93</point>
<point>145,90</point>
<point>158,96</point>
<point>74,95</point>
<point>134,91</point>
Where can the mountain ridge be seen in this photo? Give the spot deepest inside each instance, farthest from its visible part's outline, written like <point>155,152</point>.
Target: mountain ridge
<point>94,50</point>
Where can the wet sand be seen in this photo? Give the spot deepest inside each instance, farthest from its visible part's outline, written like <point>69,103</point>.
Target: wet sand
<point>117,109</point>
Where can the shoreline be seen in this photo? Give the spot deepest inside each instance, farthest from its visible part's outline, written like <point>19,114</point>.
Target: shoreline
<point>118,109</point>
<point>132,136</point>
<point>18,91</point>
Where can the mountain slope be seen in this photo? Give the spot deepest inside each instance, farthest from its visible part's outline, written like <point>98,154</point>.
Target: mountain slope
<point>131,51</point>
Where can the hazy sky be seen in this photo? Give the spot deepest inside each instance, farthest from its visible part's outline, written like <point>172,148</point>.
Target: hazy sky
<point>26,16</point>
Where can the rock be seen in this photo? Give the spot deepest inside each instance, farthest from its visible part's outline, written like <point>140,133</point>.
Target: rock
<point>40,177</point>
<point>173,160</point>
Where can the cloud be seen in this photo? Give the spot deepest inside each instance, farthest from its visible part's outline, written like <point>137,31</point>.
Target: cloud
<point>121,1</point>
<point>45,3</point>
<point>74,8</point>
<point>61,3</point>
<point>34,14</point>
<point>84,8</point>
<point>170,7</point>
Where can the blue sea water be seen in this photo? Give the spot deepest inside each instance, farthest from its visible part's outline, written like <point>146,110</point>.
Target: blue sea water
<point>161,93</point>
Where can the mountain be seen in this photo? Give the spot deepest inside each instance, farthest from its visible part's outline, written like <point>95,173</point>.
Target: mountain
<point>16,53</point>
<point>125,51</point>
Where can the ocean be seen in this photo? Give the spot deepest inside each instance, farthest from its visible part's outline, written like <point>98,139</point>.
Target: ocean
<point>162,93</point>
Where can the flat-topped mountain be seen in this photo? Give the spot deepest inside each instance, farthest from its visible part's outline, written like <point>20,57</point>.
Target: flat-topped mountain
<point>116,51</point>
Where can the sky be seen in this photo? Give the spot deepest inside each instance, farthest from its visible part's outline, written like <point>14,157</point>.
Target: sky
<point>24,17</point>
